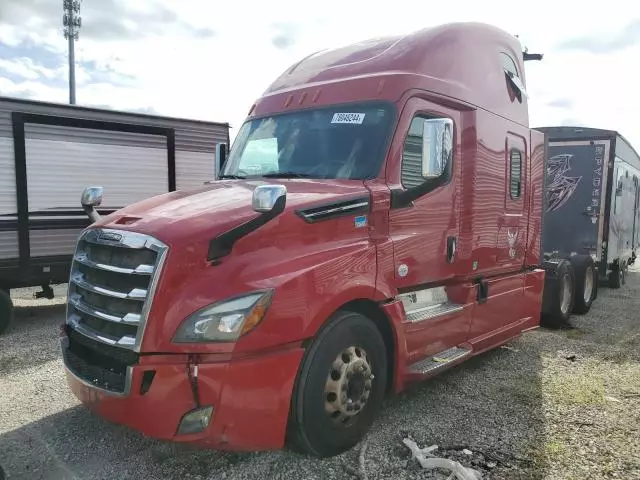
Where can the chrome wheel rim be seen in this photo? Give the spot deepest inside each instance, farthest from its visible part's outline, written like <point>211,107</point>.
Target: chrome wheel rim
<point>348,385</point>
<point>588,284</point>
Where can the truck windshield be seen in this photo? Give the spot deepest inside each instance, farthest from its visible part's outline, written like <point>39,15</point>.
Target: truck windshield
<point>340,142</point>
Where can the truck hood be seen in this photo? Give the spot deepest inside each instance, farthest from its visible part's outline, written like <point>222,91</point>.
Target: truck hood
<point>219,206</point>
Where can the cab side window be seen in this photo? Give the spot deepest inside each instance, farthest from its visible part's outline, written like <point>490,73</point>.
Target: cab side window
<point>427,152</point>
<point>515,174</point>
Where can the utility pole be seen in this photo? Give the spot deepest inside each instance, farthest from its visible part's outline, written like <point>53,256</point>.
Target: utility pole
<point>72,22</point>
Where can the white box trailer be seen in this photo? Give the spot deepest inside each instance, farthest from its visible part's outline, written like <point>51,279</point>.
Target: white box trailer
<point>50,152</point>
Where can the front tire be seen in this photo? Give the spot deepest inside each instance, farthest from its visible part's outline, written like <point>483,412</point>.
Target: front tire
<point>340,386</point>
<point>6,310</point>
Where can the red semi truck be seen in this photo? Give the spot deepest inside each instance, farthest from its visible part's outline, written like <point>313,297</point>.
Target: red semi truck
<point>377,221</point>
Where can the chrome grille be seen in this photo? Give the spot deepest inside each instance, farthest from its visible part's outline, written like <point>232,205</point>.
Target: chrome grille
<point>111,285</point>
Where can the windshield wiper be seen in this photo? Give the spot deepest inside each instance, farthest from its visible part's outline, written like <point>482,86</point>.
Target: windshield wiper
<point>232,177</point>
<point>286,175</point>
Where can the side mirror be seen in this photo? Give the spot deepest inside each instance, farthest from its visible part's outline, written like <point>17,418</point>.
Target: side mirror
<point>267,197</point>
<point>91,198</point>
<point>437,145</point>
<point>221,158</point>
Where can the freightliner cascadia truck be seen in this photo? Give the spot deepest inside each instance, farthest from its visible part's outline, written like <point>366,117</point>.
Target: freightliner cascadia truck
<point>376,221</point>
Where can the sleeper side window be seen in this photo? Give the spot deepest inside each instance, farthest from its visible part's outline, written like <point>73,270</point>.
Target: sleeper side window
<point>515,174</point>
<point>511,72</point>
<point>427,151</point>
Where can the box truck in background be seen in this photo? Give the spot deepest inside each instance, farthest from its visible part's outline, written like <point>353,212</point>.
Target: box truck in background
<point>49,152</point>
<point>592,187</point>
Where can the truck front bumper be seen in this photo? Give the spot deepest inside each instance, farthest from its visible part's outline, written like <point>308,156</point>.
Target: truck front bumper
<point>250,399</point>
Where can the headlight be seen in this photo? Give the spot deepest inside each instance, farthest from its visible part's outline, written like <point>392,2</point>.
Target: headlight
<point>225,321</point>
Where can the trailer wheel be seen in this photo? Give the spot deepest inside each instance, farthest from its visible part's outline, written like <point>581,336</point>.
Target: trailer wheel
<point>6,310</point>
<point>340,386</point>
<point>616,277</point>
<point>558,295</point>
<point>585,283</point>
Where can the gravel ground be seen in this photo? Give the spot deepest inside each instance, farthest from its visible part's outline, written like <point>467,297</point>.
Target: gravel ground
<point>552,405</point>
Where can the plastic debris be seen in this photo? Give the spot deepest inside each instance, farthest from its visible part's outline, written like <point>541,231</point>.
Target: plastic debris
<point>429,461</point>
<point>467,452</point>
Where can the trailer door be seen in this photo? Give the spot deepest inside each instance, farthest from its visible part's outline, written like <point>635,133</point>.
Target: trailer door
<point>576,178</point>
<point>61,161</point>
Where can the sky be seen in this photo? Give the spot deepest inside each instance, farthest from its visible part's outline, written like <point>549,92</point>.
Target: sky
<point>210,60</point>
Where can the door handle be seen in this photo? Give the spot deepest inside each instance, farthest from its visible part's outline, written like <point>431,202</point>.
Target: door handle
<point>451,249</point>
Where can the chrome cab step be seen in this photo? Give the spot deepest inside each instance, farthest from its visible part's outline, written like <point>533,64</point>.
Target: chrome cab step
<point>439,360</point>
<point>427,304</point>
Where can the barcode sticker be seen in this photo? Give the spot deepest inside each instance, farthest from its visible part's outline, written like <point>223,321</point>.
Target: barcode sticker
<point>356,118</point>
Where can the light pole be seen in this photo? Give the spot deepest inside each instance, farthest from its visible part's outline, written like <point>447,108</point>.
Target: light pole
<point>71,22</point>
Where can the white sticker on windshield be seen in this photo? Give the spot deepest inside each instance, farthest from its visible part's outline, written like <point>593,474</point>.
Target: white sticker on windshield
<point>356,118</point>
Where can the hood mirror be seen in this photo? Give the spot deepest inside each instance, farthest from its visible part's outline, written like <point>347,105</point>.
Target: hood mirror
<point>266,197</point>
<point>91,198</point>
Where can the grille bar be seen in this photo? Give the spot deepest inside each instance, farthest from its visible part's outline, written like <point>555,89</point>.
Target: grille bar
<point>78,304</point>
<point>126,341</point>
<point>134,294</point>
<point>142,269</point>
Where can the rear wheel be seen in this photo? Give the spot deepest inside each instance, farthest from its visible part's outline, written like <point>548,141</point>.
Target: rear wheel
<point>585,283</point>
<point>340,386</point>
<point>616,277</point>
<point>6,310</point>
<point>558,295</point>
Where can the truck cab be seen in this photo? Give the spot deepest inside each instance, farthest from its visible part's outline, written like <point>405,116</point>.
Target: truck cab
<point>377,221</point>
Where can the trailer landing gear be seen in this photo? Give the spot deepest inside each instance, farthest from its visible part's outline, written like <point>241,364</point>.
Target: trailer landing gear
<point>617,276</point>
<point>47,292</point>
<point>6,310</point>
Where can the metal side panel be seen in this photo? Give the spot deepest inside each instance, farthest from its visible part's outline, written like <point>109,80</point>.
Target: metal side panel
<point>193,169</point>
<point>53,242</point>
<point>576,179</point>
<point>58,171</point>
<point>622,212</point>
<point>8,244</point>
<point>8,205</point>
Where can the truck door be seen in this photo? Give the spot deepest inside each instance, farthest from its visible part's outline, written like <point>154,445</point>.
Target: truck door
<point>576,176</point>
<point>424,232</point>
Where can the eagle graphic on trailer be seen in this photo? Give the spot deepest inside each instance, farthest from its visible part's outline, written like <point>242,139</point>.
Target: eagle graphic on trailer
<point>561,186</point>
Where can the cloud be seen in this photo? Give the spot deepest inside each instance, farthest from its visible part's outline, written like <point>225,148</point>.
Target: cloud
<point>612,41</point>
<point>211,60</point>
<point>571,122</point>
<point>286,36</point>
<point>560,103</point>
<point>104,19</point>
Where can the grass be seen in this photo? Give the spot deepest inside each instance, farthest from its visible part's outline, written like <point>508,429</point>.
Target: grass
<point>576,388</point>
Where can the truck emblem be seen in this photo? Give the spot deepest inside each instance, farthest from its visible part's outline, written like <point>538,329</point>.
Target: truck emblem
<point>560,187</point>
<point>110,236</point>
<point>511,239</point>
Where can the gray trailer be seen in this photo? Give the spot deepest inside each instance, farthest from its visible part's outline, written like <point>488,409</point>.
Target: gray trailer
<point>592,204</point>
<point>50,152</point>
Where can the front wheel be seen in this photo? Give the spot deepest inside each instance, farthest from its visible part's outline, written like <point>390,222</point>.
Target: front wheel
<point>340,386</point>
